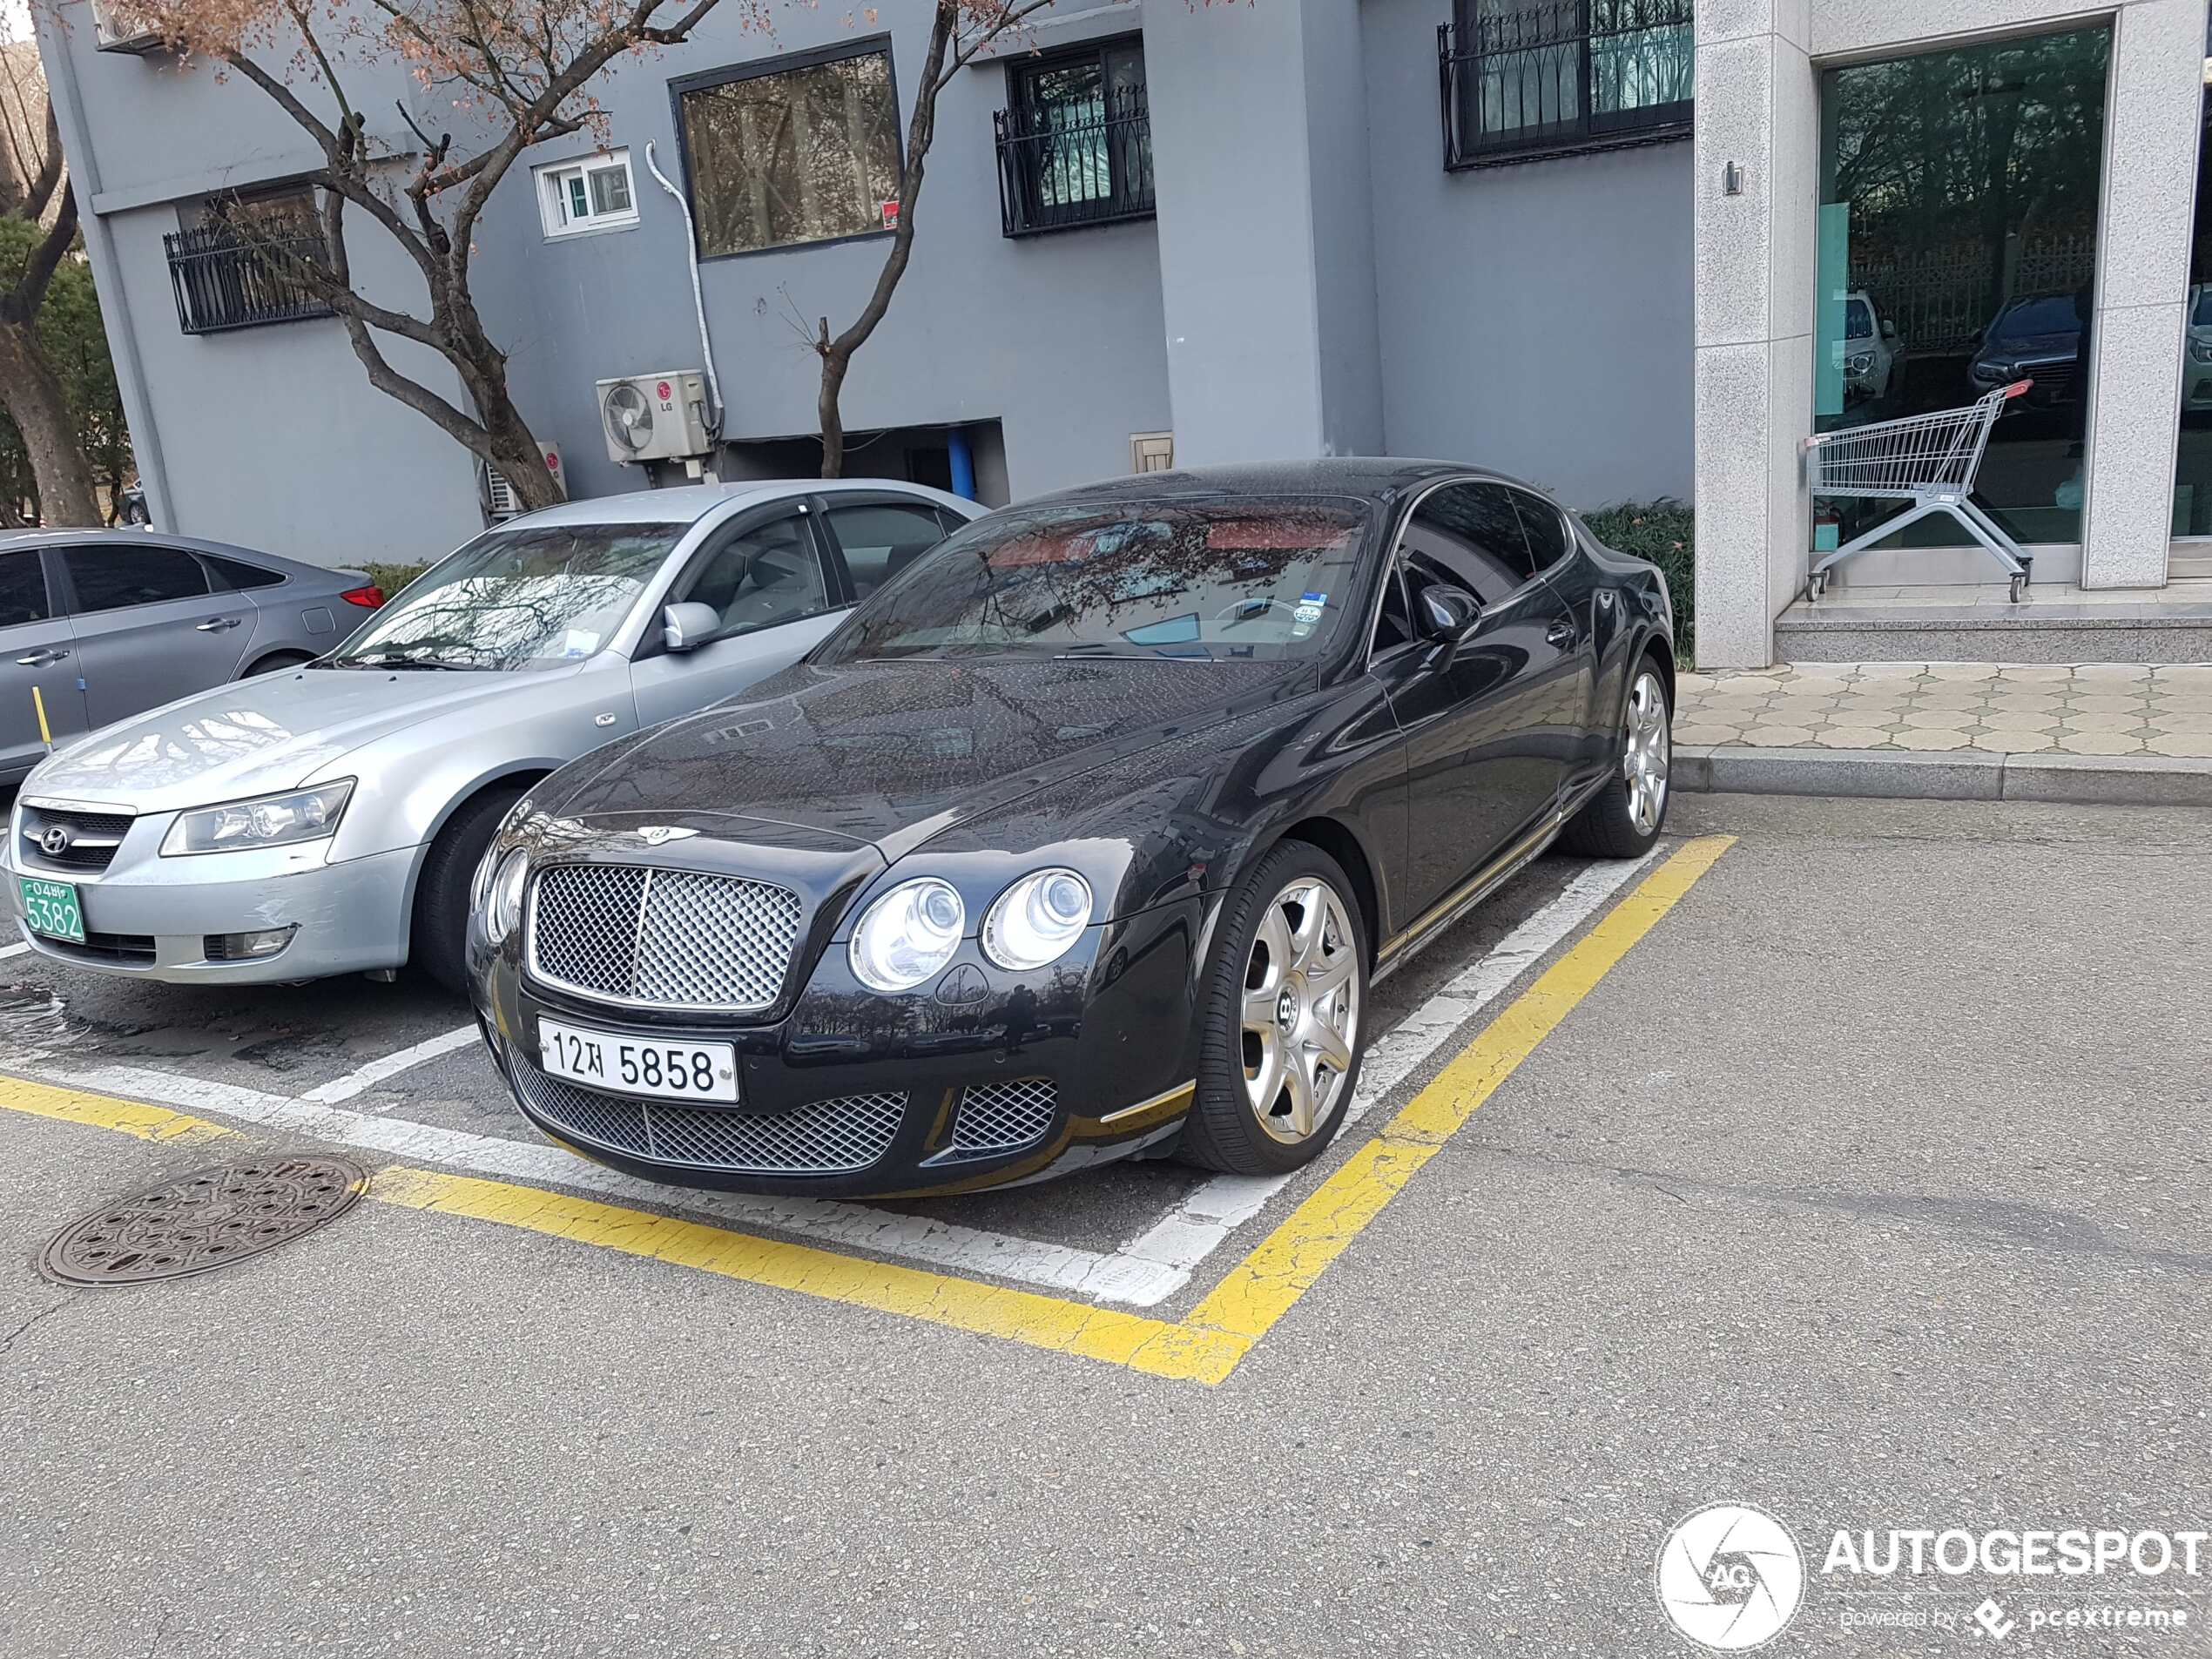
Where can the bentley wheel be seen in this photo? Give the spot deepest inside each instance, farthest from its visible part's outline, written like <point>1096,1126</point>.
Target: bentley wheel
<point>1623,819</point>
<point>1280,1055</point>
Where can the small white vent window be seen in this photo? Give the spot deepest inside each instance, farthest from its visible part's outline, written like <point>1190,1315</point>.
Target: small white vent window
<point>592,193</point>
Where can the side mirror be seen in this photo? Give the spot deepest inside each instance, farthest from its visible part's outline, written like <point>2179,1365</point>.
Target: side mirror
<point>1447,612</point>
<point>1889,330</point>
<point>685,627</point>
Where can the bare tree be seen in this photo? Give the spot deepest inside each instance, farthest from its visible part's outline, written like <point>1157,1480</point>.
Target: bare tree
<point>36,194</point>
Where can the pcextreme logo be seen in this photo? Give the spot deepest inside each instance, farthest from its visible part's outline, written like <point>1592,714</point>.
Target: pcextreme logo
<point>1729,1577</point>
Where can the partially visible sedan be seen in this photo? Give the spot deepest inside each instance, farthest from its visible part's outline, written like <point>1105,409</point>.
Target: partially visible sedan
<point>108,624</point>
<point>1086,838</point>
<point>325,820</point>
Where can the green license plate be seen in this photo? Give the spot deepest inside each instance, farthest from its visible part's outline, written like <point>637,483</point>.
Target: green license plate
<point>50,908</point>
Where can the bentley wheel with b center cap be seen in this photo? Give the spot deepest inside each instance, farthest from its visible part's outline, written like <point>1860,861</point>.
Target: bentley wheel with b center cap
<point>1280,1054</point>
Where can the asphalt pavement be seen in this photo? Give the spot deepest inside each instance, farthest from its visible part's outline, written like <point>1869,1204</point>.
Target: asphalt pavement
<point>1867,1185</point>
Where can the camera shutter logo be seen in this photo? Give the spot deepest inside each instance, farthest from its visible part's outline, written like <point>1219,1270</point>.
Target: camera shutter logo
<point>1729,1577</point>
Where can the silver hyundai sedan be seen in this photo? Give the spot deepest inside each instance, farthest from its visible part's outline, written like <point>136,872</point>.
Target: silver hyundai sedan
<point>327,820</point>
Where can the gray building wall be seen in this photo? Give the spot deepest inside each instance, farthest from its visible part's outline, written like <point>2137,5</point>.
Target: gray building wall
<point>1537,317</point>
<point>1314,283</point>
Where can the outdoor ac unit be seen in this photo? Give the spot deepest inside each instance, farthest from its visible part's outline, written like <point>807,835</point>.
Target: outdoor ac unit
<point>499,495</point>
<point>655,417</point>
<point>107,37</point>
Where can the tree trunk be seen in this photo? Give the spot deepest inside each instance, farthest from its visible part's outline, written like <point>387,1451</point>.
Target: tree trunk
<point>834,363</point>
<point>514,450</point>
<point>32,395</point>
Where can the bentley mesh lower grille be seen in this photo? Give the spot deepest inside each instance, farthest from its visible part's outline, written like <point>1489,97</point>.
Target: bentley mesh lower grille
<point>827,1138</point>
<point>998,1117</point>
<point>663,937</point>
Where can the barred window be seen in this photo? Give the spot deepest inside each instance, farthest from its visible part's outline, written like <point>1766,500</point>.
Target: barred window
<point>795,153</point>
<point>1536,77</point>
<point>1076,140</point>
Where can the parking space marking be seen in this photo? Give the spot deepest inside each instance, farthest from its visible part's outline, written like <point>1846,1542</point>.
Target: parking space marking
<point>1203,1347</point>
<point>1263,1287</point>
<point>366,1077</point>
<point>1202,1221</point>
<point>1065,1268</point>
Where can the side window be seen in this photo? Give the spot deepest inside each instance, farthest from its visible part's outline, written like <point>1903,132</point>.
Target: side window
<point>758,578</point>
<point>109,578</point>
<point>1468,535</point>
<point>237,575</point>
<point>23,590</point>
<point>1545,527</point>
<point>880,539</point>
<point>1394,622</point>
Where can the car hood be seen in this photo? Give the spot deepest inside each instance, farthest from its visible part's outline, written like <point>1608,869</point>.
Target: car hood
<point>2015,348</point>
<point>893,752</point>
<point>253,736</point>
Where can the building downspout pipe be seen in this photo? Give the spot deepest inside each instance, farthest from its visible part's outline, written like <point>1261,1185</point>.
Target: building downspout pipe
<point>963,461</point>
<point>698,296</point>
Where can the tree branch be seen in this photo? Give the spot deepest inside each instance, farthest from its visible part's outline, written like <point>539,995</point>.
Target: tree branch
<point>21,305</point>
<point>963,55</point>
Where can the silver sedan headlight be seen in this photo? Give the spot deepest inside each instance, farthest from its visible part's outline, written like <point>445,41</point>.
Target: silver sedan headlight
<point>907,935</point>
<point>501,898</point>
<point>270,820</point>
<point>1034,922</point>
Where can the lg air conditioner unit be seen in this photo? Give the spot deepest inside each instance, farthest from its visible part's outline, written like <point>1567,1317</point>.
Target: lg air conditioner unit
<point>655,417</point>
<point>499,495</point>
<point>109,36</point>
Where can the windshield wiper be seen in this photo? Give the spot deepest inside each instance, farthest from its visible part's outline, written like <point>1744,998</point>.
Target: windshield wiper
<point>1099,654</point>
<point>431,662</point>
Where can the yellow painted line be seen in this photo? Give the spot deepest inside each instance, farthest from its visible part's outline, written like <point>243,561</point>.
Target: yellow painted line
<point>1263,1287</point>
<point>1204,1347</point>
<point>103,1111</point>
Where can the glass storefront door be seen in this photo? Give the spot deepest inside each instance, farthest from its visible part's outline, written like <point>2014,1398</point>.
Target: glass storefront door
<point>1959,194</point>
<point>2193,451</point>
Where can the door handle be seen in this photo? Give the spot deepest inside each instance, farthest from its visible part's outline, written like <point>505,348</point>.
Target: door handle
<point>1561,633</point>
<point>216,624</point>
<point>41,658</point>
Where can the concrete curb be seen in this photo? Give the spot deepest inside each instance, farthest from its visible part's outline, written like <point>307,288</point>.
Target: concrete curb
<point>2126,780</point>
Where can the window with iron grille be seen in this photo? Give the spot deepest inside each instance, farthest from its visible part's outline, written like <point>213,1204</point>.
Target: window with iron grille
<point>1523,79</point>
<point>238,261</point>
<point>1075,140</point>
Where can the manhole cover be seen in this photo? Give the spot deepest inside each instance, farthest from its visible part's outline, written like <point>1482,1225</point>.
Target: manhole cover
<point>207,1219</point>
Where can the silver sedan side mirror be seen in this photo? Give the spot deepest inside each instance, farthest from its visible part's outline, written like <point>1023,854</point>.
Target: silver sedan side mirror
<point>685,627</point>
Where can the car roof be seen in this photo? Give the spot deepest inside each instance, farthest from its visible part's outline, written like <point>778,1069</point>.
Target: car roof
<point>1367,477</point>
<point>687,503</point>
<point>135,536</point>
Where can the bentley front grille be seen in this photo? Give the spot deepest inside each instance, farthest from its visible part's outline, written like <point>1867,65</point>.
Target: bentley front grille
<point>666,939</point>
<point>827,1137</point>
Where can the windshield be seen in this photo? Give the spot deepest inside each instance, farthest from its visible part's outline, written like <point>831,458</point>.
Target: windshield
<point>521,598</point>
<point>2051,314</point>
<point>1222,580</point>
<point>1858,320</point>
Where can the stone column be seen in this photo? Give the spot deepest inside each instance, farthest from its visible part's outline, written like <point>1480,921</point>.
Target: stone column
<point>1757,108</point>
<point>1266,241</point>
<point>2152,118</point>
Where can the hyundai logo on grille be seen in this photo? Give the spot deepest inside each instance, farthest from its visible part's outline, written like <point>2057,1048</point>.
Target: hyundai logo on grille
<point>55,841</point>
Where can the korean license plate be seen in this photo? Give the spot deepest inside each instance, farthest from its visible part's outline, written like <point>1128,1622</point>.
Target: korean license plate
<point>660,1071</point>
<point>50,908</point>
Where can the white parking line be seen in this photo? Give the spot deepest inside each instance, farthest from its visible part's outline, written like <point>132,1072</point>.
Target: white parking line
<point>12,950</point>
<point>376,1071</point>
<point>1145,1271</point>
<point>1182,1240</point>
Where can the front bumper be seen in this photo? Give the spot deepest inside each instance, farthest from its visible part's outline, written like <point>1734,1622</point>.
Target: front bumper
<point>148,917</point>
<point>851,1093</point>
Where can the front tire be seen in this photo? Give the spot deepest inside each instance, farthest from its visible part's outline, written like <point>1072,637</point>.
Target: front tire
<point>1279,1057</point>
<point>1623,819</point>
<point>439,946</point>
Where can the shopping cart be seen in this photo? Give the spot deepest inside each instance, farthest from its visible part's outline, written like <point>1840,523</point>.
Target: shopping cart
<point>1929,460</point>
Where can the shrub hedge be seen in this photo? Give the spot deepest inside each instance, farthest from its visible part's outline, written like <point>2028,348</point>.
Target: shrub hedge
<point>1665,533</point>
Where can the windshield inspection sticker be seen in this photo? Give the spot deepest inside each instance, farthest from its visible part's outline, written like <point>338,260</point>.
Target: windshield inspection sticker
<point>582,642</point>
<point>1307,613</point>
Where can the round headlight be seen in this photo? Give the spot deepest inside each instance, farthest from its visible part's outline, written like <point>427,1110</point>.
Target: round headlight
<point>1035,919</point>
<point>907,935</point>
<point>503,896</point>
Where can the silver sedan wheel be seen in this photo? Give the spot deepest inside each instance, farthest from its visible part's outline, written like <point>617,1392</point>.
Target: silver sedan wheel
<point>1648,752</point>
<point>1301,1010</point>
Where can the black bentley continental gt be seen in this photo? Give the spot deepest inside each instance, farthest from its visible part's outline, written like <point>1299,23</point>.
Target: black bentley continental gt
<point>1084,836</point>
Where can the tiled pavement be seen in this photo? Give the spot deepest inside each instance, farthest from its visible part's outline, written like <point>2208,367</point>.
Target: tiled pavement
<point>2091,709</point>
